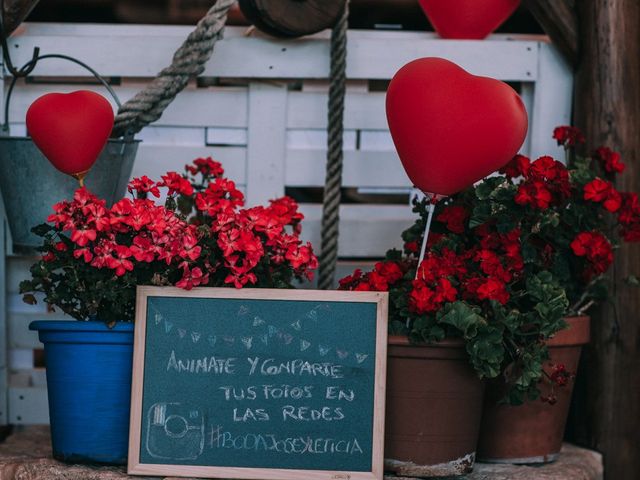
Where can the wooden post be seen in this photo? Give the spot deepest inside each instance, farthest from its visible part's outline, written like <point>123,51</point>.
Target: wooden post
<point>607,108</point>
<point>559,21</point>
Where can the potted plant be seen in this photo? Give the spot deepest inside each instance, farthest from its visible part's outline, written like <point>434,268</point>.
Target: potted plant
<point>571,219</point>
<point>447,334</point>
<point>95,256</point>
<point>512,266</point>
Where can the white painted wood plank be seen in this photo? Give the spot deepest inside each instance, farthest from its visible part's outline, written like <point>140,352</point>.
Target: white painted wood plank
<point>4,234</point>
<point>369,56</point>
<point>266,143</point>
<point>366,231</point>
<point>226,136</point>
<point>20,358</point>
<point>178,31</point>
<point>194,107</point>
<point>314,139</point>
<point>19,335</point>
<point>306,168</point>
<point>17,269</point>
<point>28,406</point>
<point>154,161</point>
<point>551,102</point>
<point>173,136</point>
<point>376,141</point>
<point>361,110</point>
<point>15,305</point>
<point>526,94</point>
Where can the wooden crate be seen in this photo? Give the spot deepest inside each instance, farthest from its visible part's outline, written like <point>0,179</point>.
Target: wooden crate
<point>260,109</point>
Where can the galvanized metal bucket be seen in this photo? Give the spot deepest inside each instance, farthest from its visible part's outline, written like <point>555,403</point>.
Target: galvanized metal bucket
<point>31,185</point>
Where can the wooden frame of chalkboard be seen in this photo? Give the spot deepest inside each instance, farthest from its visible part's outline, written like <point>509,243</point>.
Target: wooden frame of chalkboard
<point>323,351</point>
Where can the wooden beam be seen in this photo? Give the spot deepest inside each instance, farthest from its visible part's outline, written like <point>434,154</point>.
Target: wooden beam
<point>14,12</point>
<point>559,20</point>
<point>607,108</point>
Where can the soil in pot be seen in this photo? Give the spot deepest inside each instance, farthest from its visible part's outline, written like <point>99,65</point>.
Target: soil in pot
<point>533,432</point>
<point>433,409</point>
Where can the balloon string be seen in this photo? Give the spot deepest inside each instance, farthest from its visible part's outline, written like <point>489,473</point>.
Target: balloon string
<point>426,236</point>
<point>80,177</point>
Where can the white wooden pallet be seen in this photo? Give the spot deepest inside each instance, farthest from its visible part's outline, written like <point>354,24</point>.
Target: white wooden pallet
<point>265,120</point>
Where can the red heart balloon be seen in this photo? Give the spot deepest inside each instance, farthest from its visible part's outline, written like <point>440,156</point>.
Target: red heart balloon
<point>467,19</point>
<point>70,129</point>
<point>451,128</point>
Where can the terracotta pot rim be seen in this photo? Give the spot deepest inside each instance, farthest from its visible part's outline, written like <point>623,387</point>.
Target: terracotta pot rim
<point>577,333</point>
<point>402,341</point>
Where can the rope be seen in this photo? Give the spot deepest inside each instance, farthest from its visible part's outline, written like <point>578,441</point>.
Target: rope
<point>188,61</point>
<point>333,181</point>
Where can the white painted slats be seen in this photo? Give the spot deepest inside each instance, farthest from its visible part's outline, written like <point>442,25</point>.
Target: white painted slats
<point>194,107</point>
<point>266,142</point>
<point>365,230</point>
<point>27,404</point>
<point>139,51</point>
<point>305,168</point>
<point>361,110</point>
<point>551,103</point>
<point>156,160</point>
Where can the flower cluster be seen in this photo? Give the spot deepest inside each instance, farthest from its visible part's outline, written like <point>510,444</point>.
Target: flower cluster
<point>476,274</point>
<point>94,255</point>
<point>568,136</point>
<point>509,258</point>
<point>597,250</point>
<point>629,217</point>
<point>559,377</point>
<point>545,181</point>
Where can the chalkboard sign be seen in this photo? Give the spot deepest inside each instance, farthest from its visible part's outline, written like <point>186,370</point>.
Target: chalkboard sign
<point>258,384</point>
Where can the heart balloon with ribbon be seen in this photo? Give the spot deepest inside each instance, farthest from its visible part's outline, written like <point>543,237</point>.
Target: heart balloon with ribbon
<point>467,19</point>
<point>452,128</point>
<point>71,129</point>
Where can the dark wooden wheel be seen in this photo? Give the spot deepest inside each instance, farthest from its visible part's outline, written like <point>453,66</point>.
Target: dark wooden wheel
<point>14,12</point>
<point>292,18</point>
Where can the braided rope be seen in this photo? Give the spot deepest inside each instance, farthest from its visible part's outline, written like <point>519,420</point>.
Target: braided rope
<point>333,181</point>
<point>188,61</point>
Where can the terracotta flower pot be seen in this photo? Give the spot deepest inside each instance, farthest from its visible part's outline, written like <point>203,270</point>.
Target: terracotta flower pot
<point>434,406</point>
<point>533,432</point>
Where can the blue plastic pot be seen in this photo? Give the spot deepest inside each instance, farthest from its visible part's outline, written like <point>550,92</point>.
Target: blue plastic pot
<point>89,385</point>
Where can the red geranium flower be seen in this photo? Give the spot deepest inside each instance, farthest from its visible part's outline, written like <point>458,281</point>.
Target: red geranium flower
<point>609,160</point>
<point>206,166</point>
<point>535,194</point>
<point>599,190</point>
<point>517,167</point>
<point>596,249</point>
<point>192,278</point>
<point>176,184</point>
<point>83,236</point>
<point>120,262</point>
<point>143,185</point>
<point>454,217</point>
<point>568,136</point>
<point>596,190</point>
<point>384,274</point>
<point>493,289</point>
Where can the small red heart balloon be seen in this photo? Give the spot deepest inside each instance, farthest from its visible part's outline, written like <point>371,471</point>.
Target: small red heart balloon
<point>70,129</point>
<point>467,19</point>
<point>451,128</point>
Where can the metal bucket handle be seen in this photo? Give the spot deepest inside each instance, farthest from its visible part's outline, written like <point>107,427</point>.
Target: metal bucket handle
<point>27,67</point>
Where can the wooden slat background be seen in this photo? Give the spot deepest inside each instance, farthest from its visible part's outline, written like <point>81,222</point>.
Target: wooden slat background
<point>260,109</point>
